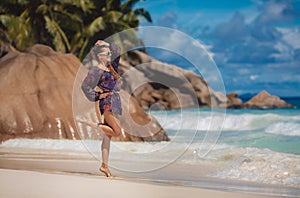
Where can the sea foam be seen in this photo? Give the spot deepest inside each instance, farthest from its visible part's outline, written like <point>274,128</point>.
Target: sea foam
<point>227,158</point>
<point>284,128</point>
<point>222,161</point>
<point>282,124</point>
<point>262,166</point>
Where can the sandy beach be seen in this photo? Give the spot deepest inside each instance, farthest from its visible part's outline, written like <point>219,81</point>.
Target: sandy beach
<point>41,173</point>
<point>22,183</point>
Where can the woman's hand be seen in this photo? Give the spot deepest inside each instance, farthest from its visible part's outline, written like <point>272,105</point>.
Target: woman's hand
<point>101,43</point>
<point>104,95</point>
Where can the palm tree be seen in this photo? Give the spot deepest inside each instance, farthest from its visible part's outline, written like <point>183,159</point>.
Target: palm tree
<point>39,21</point>
<point>15,31</point>
<point>66,25</point>
<point>108,18</point>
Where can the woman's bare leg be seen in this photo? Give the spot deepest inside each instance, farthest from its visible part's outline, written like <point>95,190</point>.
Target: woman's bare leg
<point>116,130</point>
<point>108,131</point>
<point>112,122</point>
<point>105,147</point>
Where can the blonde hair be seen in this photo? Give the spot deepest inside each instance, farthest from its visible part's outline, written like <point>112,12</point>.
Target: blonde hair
<point>115,74</point>
<point>97,49</point>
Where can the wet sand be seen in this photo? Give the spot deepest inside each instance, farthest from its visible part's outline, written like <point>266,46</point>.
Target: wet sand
<point>23,183</point>
<point>36,173</point>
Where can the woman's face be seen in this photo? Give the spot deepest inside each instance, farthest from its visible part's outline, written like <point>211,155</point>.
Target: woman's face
<point>105,54</point>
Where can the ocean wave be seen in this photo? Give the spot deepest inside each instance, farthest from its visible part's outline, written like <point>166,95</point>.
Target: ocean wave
<point>247,164</point>
<point>207,121</point>
<point>221,161</point>
<point>284,128</point>
<point>263,166</point>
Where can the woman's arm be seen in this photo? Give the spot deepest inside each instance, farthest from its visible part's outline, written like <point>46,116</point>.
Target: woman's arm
<point>89,84</point>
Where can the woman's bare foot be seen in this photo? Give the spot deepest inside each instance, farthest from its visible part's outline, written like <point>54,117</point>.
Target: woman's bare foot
<point>104,169</point>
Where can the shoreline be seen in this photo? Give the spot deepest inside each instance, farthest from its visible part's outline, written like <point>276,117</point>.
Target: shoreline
<point>40,184</point>
<point>44,164</point>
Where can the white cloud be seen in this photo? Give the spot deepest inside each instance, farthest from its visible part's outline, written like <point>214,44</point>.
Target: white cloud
<point>253,77</point>
<point>284,53</point>
<point>291,36</point>
<point>250,47</point>
<point>207,48</point>
<point>276,11</point>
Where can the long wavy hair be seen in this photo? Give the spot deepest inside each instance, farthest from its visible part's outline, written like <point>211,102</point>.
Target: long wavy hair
<point>113,66</point>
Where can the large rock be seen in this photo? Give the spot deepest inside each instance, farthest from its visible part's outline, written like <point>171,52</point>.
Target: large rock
<point>265,100</point>
<point>158,85</point>
<point>36,98</point>
<point>36,94</point>
<point>138,125</point>
<point>234,101</point>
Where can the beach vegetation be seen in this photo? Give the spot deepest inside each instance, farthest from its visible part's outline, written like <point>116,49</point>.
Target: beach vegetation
<point>68,26</point>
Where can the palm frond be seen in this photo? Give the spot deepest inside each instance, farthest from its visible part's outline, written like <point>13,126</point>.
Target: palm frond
<point>112,4</point>
<point>142,12</point>
<point>42,8</point>
<point>85,5</point>
<point>17,30</point>
<point>112,16</point>
<point>67,25</point>
<point>96,25</point>
<point>83,48</point>
<point>76,42</point>
<point>60,40</point>
<point>128,5</point>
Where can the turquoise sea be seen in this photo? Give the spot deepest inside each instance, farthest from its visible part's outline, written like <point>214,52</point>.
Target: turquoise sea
<point>274,129</point>
<point>277,129</point>
<point>245,150</point>
<point>252,145</point>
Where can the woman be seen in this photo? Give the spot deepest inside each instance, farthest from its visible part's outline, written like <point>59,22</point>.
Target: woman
<point>105,77</point>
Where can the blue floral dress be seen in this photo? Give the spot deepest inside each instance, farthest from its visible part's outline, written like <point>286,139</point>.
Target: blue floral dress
<point>105,81</point>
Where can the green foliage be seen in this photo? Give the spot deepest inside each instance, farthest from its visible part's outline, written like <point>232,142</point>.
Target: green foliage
<point>18,30</point>
<point>60,40</point>
<point>66,25</point>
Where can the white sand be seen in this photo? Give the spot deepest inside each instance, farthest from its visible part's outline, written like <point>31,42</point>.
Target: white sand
<point>39,173</point>
<point>21,183</point>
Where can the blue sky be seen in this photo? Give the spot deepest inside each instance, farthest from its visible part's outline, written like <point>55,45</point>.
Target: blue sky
<point>255,43</point>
